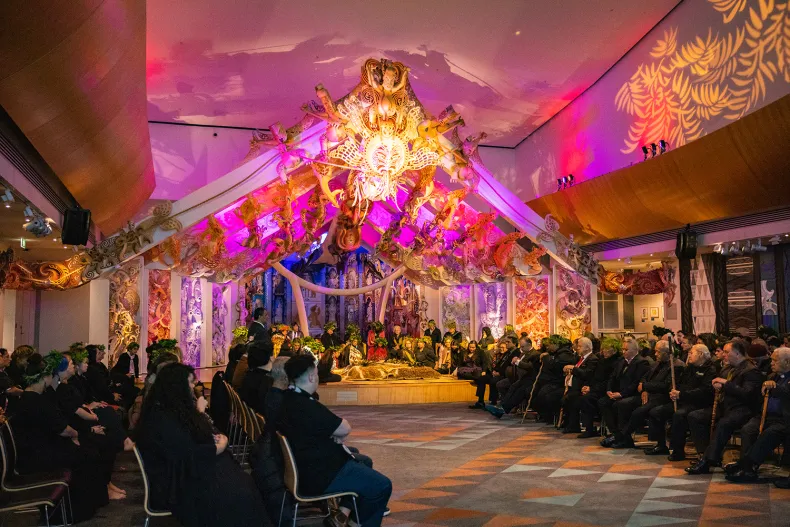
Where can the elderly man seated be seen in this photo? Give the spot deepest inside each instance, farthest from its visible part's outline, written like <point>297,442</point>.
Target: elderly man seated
<point>693,391</point>
<point>577,377</point>
<point>757,446</point>
<point>622,396</point>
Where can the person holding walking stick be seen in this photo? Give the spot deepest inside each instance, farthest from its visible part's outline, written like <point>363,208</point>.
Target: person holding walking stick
<point>764,432</point>
<point>576,377</point>
<point>739,400</point>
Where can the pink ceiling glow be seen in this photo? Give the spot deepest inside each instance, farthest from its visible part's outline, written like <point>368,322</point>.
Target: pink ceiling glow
<point>507,67</point>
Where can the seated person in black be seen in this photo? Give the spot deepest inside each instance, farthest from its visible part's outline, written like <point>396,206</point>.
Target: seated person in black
<point>329,360</point>
<point>189,470</point>
<point>316,438</point>
<point>9,390</point>
<point>124,373</point>
<point>577,376</point>
<point>258,380</point>
<point>98,377</point>
<point>45,441</point>
<point>622,395</point>
<point>595,388</point>
<point>424,353</point>
<point>93,432</point>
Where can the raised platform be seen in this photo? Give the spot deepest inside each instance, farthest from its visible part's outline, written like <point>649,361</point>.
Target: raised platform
<point>372,393</point>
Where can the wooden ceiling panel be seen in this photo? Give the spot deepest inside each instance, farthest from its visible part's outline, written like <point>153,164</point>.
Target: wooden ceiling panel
<point>73,80</point>
<point>741,169</point>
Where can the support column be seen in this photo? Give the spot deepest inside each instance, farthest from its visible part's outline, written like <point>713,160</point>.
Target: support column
<point>143,340</point>
<point>207,328</point>
<point>227,298</point>
<point>99,312</point>
<point>9,318</point>
<point>175,307</point>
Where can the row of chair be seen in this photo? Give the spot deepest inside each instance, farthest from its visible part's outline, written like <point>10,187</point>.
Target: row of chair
<point>244,428</point>
<point>45,492</point>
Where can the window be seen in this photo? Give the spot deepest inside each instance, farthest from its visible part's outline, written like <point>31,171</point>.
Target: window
<point>608,311</point>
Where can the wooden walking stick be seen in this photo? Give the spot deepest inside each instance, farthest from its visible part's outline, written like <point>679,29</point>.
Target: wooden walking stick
<point>562,408</point>
<point>713,413</point>
<point>672,369</point>
<point>766,396</point>
<point>531,392</point>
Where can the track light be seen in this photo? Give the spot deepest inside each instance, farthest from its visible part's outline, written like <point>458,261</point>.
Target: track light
<point>663,146</point>
<point>645,150</point>
<point>653,149</point>
<point>570,180</point>
<point>759,247</point>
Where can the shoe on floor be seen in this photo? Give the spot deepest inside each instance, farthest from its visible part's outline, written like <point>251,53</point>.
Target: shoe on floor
<point>702,466</point>
<point>587,434</point>
<point>608,441</point>
<point>732,468</point>
<point>658,450</point>
<point>477,406</point>
<point>744,475</point>
<point>783,483</point>
<point>387,512</point>
<point>677,456</point>
<point>496,411</point>
<point>628,442</point>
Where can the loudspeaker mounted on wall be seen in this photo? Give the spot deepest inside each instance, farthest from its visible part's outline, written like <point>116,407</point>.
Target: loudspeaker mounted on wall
<point>76,226</point>
<point>686,246</point>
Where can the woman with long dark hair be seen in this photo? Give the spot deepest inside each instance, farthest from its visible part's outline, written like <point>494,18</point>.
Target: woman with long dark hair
<point>189,470</point>
<point>45,441</point>
<point>98,377</point>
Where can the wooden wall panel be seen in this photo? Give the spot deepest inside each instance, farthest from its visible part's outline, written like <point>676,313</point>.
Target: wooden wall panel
<point>72,77</point>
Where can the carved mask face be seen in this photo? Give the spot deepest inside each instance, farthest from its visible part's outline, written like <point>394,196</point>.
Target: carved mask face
<point>390,76</point>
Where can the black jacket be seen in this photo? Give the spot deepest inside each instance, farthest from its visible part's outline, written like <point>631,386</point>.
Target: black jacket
<point>257,331</point>
<point>505,361</point>
<point>553,365</point>
<point>583,375</point>
<point>603,371</point>
<point>530,363</point>
<point>255,388</point>
<point>436,335</point>
<point>743,387</point>
<point>330,341</point>
<point>456,336</point>
<point>426,357</point>
<point>695,386</point>
<point>626,377</point>
<point>658,381</point>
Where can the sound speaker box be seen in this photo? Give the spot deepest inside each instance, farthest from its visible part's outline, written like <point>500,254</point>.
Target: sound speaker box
<point>686,246</point>
<point>76,226</point>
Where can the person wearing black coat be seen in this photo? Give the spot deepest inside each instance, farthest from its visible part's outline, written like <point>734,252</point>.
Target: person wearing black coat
<point>258,380</point>
<point>739,400</point>
<point>596,387</point>
<point>258,329</point>
<point>693,390</point>
<point>433,332</point>
<point>98,377</point>
<point>655,390</point>
<point>577,377</point>
<point>622,394</point>
<point>330,339</point>
<point>123,375</point>
<point>757,446</point>
<point>502,360</point>
<point>548,398</point>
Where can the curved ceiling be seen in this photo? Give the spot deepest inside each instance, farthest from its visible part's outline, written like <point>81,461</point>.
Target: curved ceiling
<point>737,170</point>
<point>72,78</point>
<point>507,67</point>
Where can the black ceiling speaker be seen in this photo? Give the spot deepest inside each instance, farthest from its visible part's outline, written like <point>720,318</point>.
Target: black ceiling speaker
<point>686,246</point>
<point>76,226</point>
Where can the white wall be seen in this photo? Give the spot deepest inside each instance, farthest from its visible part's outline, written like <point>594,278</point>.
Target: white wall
<point>646,302</point>
<point>65,318</point>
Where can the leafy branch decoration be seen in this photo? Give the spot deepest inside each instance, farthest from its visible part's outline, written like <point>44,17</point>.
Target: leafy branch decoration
<point>688,85</point>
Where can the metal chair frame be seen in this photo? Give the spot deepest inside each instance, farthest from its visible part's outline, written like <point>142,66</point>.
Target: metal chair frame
<point>292,484</point>
<point>149,513</point>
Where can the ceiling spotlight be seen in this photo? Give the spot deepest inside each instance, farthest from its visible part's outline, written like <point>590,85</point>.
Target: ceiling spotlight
<point>7,206</point>
<point>645,151</point>
<point>759,247</point>
<point>735,249</point>
<point>724,250</point>
<point>663,146</point>
<point>570,179</point>
<point>628,260</point>
<point>8,198</point>
<point>653,149</point>
<point>559,183</point>
<point>775,240</point>
<point>651,254</point>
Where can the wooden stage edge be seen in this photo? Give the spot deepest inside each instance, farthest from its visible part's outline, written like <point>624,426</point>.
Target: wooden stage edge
<point>374,393</point>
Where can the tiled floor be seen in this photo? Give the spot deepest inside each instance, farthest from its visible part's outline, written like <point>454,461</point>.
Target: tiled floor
<point>457,467</point>
<point>452,466</point>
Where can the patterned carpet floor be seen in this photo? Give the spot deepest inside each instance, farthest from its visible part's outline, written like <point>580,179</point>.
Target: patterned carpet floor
<point>452,466</point>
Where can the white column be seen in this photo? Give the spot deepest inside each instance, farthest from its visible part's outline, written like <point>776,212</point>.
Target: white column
<point>511,301</point>
<point>473,322</point>
<point>233,291</point>
<point>143,340</point>
<point>99,312</point>
<point>207,328</point>
<point>553,299</point>
<point>175,307</point>
<point>9,318</point>
<point>227,295</point>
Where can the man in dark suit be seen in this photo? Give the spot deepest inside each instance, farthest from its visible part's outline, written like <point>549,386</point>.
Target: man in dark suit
<point>739,400</point>
<point>693,391</point>
<point>433,332</point>
<point>655,392</point>
<point>548,397</point>
<point>576,377</point>
<point>596,387</point>
<point>622,396</point>
<point>526,365</point>
<point>258,329</point>
<point>756,446</point>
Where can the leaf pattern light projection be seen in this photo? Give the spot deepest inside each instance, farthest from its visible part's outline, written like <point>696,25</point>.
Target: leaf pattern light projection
<point>712,76</point>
